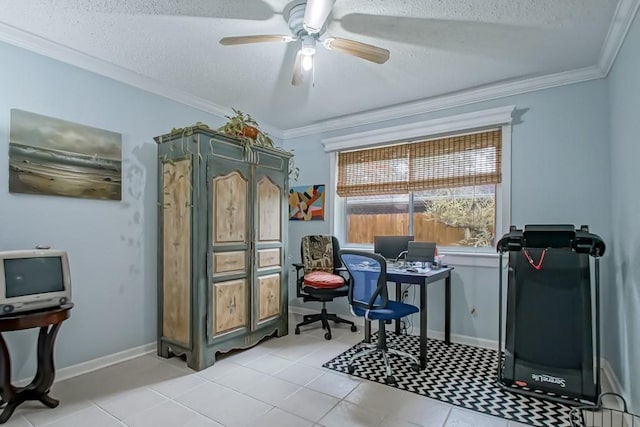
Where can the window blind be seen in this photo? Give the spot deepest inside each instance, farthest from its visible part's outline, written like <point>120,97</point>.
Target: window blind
<point>457,161</point>
<point>383,170</point>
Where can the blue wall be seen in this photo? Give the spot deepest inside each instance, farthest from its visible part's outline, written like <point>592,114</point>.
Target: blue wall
<point>623,325</point>
<point>112,245</point>
<point>560,174</point>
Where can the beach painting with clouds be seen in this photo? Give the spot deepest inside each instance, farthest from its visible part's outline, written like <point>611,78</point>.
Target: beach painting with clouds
<point>56,157</point>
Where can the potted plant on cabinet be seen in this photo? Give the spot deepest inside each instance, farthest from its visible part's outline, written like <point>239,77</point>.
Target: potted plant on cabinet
<point>245,128</point>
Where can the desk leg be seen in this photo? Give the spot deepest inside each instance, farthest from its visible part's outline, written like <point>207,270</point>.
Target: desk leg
<point>423,327</point>
<point>398,298</point>
<point>447,309</point>
<point>367,331</point>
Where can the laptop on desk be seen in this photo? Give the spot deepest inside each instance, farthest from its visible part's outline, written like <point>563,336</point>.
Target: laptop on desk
<point>423,252</point>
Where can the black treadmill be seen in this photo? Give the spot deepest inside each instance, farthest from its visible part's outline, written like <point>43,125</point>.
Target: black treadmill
<point>550,320</point>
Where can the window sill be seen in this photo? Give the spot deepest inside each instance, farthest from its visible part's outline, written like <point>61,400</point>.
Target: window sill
<point>461,258</point>
<point>470,258</point>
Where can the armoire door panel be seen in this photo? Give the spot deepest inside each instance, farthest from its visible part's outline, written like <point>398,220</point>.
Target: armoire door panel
<point>269,210</point>
<point>229,262</point>
<point>269,296</point>
<point>230,195</point>
<point>230,305</point>
<point>269,258</point>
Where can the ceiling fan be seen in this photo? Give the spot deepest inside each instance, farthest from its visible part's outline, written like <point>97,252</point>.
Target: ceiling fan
<point>307,21</point>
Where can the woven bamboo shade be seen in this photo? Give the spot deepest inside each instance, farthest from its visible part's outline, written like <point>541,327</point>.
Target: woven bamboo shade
<point>383,170</point>
<point>458,161</point>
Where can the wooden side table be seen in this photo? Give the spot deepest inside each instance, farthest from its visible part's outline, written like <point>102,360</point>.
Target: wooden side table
<point>49,321</point>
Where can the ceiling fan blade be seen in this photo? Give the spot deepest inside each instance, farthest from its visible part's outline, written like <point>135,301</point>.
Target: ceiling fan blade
<point>315,14</point>
<point>265,38</point>
<point>361,50</point>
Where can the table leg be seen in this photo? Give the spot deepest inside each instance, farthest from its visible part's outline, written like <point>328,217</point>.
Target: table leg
<point>447,309</point>
<point>42,381</point>
<point>423,327</point>
<point>398,298</point>
<point>46,372</point>
<point>8,391</point>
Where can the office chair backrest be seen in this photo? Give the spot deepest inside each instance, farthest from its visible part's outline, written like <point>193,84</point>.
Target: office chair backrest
<point>368,273</point>
<point>320,253</point>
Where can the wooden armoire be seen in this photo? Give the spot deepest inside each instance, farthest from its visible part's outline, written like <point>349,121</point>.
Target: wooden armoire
<point>222,217</point>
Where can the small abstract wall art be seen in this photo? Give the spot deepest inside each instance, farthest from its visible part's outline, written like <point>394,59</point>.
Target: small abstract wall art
<point>56,157</point>
<point>306,203</point>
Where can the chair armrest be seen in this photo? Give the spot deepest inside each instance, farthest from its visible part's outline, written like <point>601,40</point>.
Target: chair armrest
<point>299,278</point>
<point>342,271</point>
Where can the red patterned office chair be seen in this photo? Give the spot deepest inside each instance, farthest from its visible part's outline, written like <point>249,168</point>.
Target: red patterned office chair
<point>320,279</point>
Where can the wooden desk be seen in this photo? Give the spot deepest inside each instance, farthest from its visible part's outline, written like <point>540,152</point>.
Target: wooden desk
<point>49,321</point>
<point>422,279</point>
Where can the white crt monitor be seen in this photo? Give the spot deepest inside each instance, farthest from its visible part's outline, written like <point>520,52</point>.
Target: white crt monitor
<point>32,279</point>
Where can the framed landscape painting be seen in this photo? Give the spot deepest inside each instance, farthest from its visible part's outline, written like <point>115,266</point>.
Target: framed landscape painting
<point>306,203</point>
<point>56,157</point>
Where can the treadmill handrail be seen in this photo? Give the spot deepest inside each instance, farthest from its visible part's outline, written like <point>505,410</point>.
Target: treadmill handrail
<point>579,241</point>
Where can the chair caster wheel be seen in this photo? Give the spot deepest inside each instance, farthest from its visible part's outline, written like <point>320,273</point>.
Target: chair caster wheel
<point>327,336</point>
<point>351,369</point>
<point>353,328</point>
<point>415,367</point>
<point>297,331</point>
<point>390,380</point>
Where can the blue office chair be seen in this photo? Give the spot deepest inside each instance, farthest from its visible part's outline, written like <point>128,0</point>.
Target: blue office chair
<point>368,297</point>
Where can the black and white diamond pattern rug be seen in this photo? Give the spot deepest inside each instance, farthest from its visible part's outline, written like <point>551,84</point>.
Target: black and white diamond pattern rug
<point>457,374</point>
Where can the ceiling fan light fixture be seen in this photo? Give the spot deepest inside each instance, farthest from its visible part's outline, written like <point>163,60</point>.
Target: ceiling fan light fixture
<point>307,62</point>
<point>308,45</point>
<point>307,21</point>
<point>327,43</point>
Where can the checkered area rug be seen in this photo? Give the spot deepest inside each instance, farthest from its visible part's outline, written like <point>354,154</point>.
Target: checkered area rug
<point>457,374</point>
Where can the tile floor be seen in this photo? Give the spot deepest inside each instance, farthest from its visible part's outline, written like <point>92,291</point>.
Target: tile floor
<point>279,382</point>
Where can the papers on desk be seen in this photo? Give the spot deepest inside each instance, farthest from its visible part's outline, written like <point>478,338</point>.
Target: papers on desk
<point>417,270</point>
<point>411,269</point>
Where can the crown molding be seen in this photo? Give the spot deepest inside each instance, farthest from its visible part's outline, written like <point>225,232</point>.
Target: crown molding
<point>444,102</point>
<point>39,45</point>
<point>623,17</point>
<point>620,24</point>
<point>406,132</point>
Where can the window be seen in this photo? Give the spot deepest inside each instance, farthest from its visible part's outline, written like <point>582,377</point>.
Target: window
<point>441,190</point>
<point>488,198</point>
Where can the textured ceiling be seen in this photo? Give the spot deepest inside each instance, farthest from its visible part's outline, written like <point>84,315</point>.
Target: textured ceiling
<point>438,47</point>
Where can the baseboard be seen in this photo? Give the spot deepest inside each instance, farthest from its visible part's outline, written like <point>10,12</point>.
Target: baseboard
<point>460,339</point>
<point>111,359</point>
<point>610,377</point>
<point>294,309</point>
<point>101,362</point>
